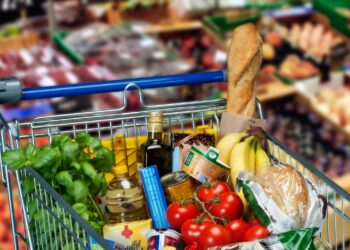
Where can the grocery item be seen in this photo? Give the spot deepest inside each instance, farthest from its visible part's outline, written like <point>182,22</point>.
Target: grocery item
<point>154,151</point>
<point>283,199</point>
<point>295,239</point>
<point>128,235</point>
<point>296,68</point>
<point>244,61</point>
<point>157,205</point>
<point>204,166</point>
<point>162,239</point>
<point>315,39</point>
<point>184,142</point>
<point>125,201</point>
<point>178,212</point>
<point>226,144</point>
<point>177,186</point>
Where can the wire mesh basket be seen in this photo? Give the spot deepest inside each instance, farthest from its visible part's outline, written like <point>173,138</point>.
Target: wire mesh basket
<point>50,223</point>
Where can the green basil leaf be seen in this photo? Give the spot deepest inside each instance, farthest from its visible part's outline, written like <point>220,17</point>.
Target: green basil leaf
<point>59,140</point>
<point>82,210</point>
<point>64,178</point>
<point>88,170</point>
<point>67,198</point>
<point>103,185</point>
<point>80,191</point>
<point>28,184</point>
<point>104,159</point>
<point>70,151</point>
<point>96,184</point>
<point>30,151</point>
<point>75,165</point>
<point>32,207</point>
<point>15,159</point>
<point>83,139</point>
<point>45,157</point>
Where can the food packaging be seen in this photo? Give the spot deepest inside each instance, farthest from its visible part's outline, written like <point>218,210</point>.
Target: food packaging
<point>283,199</point>
<point>128,235</point>
<point>184,142</point>
<point>204,166</point>
<point>232,123</point>
<point>160,239</point>
<point>155,197</point>
<point>295,239</point>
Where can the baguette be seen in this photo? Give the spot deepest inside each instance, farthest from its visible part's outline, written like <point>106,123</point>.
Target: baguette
<point>244,60</point>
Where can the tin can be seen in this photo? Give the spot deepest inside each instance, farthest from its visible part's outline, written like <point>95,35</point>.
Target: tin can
<point>205,166</point>
<point>158,239</point>
<point>177,186</point>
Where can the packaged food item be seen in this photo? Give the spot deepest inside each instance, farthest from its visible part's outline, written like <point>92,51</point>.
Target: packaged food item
<point>295,239</point>
<point>152,187</point>
<point>185,141</point>
<point>125,201</point>
<point>177,186</point>
<point>128,235</point>
<point>204,166</point>
<point>159,239</point>
<point>283,199</point>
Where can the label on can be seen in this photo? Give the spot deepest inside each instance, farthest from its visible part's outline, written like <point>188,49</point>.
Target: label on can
<point>204,166</point>
<point>177,186</point>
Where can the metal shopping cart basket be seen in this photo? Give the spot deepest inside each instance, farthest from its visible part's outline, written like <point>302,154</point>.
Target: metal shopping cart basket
<point>59,226</point>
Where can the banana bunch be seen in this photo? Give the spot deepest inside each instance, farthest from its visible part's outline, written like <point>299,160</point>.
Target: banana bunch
<point>242,153</point>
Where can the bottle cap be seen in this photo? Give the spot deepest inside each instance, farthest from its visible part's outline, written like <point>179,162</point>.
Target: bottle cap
<point>155,117</point>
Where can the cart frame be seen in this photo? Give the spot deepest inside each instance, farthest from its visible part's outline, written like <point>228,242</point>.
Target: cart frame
<point>61,226</point>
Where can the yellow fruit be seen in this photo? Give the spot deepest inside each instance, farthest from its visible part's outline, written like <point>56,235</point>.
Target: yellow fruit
<point>261,158</point>
<point>226,144</point>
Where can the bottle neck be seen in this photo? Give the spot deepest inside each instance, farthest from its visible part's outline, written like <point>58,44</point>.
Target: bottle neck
<point>155,132</point>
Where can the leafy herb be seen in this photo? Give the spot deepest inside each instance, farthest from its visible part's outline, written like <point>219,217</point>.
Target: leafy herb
<point>74,168</point>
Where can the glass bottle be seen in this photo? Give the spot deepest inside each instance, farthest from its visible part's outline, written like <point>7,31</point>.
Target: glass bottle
<point>125,200</point>
<point>154,151</point>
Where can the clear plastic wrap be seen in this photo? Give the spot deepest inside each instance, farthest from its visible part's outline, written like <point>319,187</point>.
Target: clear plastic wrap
<point>283,199</point>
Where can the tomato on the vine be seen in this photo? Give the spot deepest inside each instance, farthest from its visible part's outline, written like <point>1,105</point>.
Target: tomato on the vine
<point>237,228</point>
<point>214,235</point>
<point>210,191</point>
<point>256,232</point>
<point>230,206</point>
<point>191,229</point>
<point>254,222</point>
<point>177,214</point>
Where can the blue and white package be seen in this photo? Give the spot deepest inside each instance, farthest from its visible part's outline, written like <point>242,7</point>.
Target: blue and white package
<point>155,196</point>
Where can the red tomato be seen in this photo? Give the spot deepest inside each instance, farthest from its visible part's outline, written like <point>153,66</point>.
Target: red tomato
<point>206,193</point>
<point>177,214</point>
<point>230,206</point>
<point>237,228</point>
<point>192,246</point>
<point>190,230</point>
<point>256,232</point>
<point>214,235</point>
<point>254,222</point>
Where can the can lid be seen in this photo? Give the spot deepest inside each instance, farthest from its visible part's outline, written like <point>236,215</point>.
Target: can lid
<point>173,178</point>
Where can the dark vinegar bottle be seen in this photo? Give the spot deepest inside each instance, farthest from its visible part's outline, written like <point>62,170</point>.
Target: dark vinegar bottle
<point>155,151</point>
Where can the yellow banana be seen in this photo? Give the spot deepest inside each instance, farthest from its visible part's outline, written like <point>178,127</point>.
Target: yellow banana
<point>240,161</point>
<point>226,144</point>
<point>252,156</point>
<point>239,158</point>
<point>261,158</point>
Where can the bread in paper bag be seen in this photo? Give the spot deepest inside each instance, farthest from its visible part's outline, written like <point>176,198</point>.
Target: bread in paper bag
<point>283,199</point>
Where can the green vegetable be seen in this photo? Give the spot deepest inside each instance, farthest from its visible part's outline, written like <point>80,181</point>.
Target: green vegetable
<point>69,167</point>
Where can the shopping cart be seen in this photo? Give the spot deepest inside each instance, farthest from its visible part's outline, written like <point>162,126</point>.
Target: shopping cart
<point>59,226</point>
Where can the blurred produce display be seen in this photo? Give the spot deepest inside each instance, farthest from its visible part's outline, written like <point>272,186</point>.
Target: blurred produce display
<point>124,50</point>
<point>334,103</point>
<point>308,134</point>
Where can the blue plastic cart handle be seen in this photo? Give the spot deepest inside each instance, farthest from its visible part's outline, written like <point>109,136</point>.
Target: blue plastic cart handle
<point>119,85</point>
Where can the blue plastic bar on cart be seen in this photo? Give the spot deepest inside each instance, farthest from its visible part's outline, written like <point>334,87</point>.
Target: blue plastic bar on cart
<point>119,85</point>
